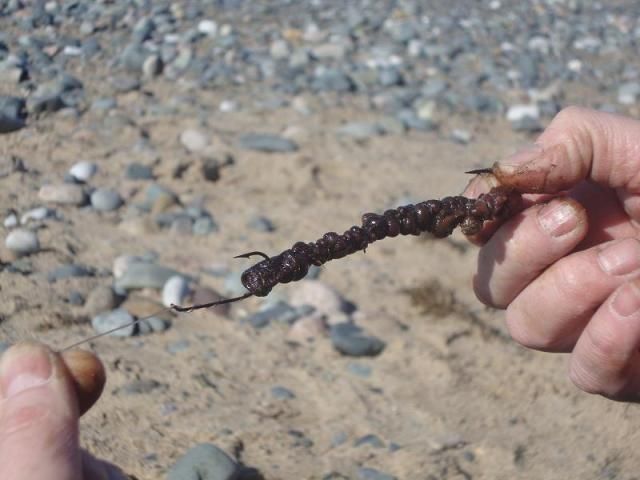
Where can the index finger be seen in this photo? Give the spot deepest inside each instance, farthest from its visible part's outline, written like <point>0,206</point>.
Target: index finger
<point>579,144</point>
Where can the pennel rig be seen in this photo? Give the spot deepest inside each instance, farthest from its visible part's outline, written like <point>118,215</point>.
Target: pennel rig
<point>439,217</point>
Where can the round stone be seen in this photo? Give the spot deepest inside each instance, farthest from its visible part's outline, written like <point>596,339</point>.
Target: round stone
<point>22,241</point>
<point>106,199</point>
<point>175,290</point>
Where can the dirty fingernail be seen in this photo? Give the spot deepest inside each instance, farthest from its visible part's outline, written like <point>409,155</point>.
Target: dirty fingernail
<point>24,366</point>
<point>525,155</point>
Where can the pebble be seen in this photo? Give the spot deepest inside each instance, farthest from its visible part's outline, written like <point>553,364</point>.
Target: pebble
<point>360,130</point>
<point>137,171</point>
<point>12,113</point>
<point>153,325</point>
<point>517,113</point>
<point>370,439</point>
<point>106,200</point>
<point>317,294</point>
<point>100,299</point>
<point>280,312</point>
<point>71,270</point>
<point>175,291</point>
<point>351,340</point>
<point>37,214</point>
<point>75,298</point>
<point>63,194</point>
<point>204,226</point>
<point>261,223</point>
<point>282,393</point>
<point>22,241</point>
<point>365,473</point>
<point>204,462</point>
<point>10,221</point>
<point>106,321</point>
<point>122,263</point>
<point>194,140</point>
<point>265,142</point>
<point>83,171</point>
<point>462,137</point>
<point>145,275</point>
<point>628,93</point>
<point>359,369</point>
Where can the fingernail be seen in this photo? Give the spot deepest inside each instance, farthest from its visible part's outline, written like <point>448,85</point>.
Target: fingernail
<point>557,218</point>
<point>626,300</point>
<point>620,258</point>
<point>23,367</point>
<point>523,156</point>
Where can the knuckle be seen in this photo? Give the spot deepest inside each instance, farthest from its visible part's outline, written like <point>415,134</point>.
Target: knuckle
<point>526,329</point>
<point>597,382</point>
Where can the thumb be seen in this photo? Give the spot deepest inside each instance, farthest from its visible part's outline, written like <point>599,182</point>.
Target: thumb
<point>38,416</point>
<point>579,144</point>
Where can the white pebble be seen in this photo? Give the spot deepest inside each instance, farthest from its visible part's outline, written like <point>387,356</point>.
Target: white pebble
<point>307,328</point>
<point>519,112</point>
<point>35,215</point>
<point>318,295</point>
<point>175,290</point>
<point>10,221</point>
<point>83,171</point>
<point>208,27</point>
<point>22,241</point>
<point>65,194</point>
<point>193,140</point>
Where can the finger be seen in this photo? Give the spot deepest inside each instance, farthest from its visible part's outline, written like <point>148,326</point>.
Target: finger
<point>526,245</point>
<point>579,144</point>
<point>553,310</point>
<point>38,416</point>
<point>88,376</point>
<point>606,359</point>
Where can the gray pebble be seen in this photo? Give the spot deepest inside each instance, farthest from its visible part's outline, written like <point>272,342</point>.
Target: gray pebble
<point>204,462</point>
<point>145,275</point>
<point>106,200</point>
<point>70,270</point>
<point>359,369</point>
<point>261,223</point>
<point>370,439</point>
<point>462,137</point>
<point>282,393</point>
<point>265,142</point>
<point>351,340</point>
<point>137,171</point>
<point>115,318</point>
<point>413,122</point>
<point>360,130</point>
<point>75,298</point>
<point>64,194</point>
<point>339,439</point>
<point>205,226</point>
<point>83,171</point>
<point>628,93</point>
<point>104,104</point>
<point>12,114</point>
<point>365,473</point>
<point>22,241</point>
<point>281,312</point>
<point>153,325</point>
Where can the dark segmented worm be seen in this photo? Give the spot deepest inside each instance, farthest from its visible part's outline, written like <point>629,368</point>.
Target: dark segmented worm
<point>439,217</point>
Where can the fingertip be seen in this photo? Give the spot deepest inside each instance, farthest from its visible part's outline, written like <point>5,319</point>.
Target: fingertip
<point>88,374</point>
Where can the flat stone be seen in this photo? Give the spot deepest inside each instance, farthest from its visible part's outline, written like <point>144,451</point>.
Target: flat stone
<point>266,142</point>
<point>63,194</point>
<point>71,270</point>
<point>137,171</point>
<point>204,462</point>
<point>360,130</point>
<point>351,340</point>
<point>145,275</point>
<point>194,140</point>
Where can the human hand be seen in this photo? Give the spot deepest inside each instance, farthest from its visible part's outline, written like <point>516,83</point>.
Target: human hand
<point>42,395</point>
<point>567,267</point>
